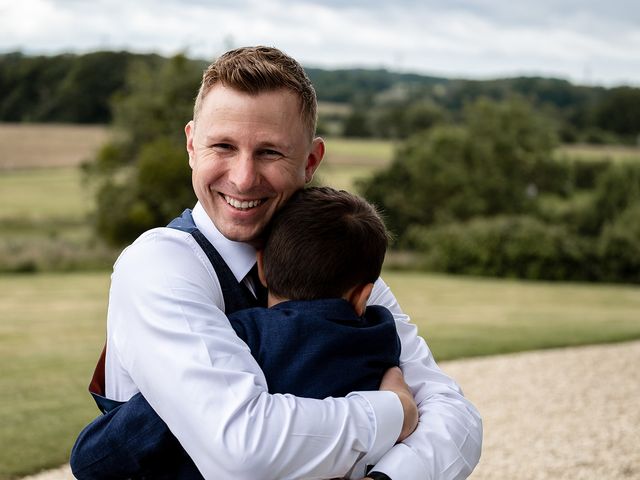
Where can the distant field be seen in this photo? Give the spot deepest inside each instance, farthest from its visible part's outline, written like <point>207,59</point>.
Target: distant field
<point>53,328</point>
<point>347,160</point>
<point>53,145</point>
<point>616,153</point>
<point>43,194</point>
<point>364,152</point>
<point>25,145</point>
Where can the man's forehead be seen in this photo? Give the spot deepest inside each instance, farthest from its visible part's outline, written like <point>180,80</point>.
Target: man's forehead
<point>221,91</point>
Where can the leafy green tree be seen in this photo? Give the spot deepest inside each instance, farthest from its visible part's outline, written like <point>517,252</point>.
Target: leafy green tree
<point>83,94</point>
<point>487,166</point>
<point>143,175</point>
<point>401,120</point>
<point>152,193</point>
<point>357,124</point>
<point>619,112</point>
<point>63,88</point>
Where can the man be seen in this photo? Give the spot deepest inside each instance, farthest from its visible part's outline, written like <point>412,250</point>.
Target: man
<point>251,145</point>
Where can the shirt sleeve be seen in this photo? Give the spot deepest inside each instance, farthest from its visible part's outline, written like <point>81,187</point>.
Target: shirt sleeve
<point>447,443</point>
<point>169,334</point>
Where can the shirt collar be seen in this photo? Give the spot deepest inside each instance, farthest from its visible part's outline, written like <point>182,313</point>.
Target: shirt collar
<point>239,256</point>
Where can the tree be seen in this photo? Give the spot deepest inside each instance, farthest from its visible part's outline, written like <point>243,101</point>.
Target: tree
<point>487,166</point>
<point>619,112</point>
<point>143,175</point>
<point>403,119</point>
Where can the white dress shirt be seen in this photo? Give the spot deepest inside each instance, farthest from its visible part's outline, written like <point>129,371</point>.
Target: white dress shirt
<point>168,337</point>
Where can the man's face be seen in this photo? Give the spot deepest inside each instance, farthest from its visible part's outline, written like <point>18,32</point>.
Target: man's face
<point>248,154</point>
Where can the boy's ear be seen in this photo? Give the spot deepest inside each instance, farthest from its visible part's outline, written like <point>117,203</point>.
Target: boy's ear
<point>358,297</point>
<point>259,262</point>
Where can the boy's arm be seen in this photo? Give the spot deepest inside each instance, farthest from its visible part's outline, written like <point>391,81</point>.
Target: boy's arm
<point>130,441</point>
<point>447,443</point>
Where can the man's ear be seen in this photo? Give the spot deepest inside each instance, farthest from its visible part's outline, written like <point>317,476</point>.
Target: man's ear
<point>314,158</point>
<point>189,131</point>
<point>358,297</point>
<point>260,263</point>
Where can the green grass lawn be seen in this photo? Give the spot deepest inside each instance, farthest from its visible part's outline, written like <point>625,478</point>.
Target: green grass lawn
<point>52,330</point>
<point>51,333</point>
<point>464,316</point>
<point>43,194</point>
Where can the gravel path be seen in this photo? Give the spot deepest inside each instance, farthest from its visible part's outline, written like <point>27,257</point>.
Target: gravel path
<point>557,414</point>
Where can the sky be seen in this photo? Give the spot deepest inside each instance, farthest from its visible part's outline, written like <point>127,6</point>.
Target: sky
<point>584,41</point>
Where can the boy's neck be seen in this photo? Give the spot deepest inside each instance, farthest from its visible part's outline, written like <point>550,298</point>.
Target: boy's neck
<point>273,300</point>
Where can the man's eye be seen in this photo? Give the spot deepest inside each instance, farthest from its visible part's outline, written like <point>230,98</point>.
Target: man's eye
<point>271,153</point>
<point>222,146</point>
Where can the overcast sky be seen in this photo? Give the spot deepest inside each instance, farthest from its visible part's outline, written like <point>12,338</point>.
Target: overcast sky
<point>584,41</point>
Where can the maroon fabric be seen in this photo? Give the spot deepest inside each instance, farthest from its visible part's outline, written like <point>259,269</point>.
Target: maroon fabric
<point>97,382</point>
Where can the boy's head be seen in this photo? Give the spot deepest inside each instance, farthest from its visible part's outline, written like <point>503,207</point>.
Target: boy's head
<point>322,244</point>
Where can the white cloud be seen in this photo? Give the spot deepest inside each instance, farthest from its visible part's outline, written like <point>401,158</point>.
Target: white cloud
<point>579,40</point>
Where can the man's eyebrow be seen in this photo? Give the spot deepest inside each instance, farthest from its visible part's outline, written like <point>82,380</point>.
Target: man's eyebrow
<point>217,139</point>
<point>273,146</point>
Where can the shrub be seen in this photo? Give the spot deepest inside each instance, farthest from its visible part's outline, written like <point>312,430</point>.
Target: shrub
<point>617,189</point>
<point>519,246</point>
<point>619,247</point>
<point>53,254</point>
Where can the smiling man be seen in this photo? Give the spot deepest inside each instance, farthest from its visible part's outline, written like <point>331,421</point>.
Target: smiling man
<point>251,145</point>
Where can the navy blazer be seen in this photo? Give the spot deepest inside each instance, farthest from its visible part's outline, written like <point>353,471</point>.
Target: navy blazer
<point>319,348</point>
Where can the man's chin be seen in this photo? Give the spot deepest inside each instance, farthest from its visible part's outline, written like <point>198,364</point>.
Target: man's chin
<point>251,235</point>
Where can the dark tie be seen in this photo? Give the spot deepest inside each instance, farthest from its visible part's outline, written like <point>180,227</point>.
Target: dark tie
<point>261,291</point>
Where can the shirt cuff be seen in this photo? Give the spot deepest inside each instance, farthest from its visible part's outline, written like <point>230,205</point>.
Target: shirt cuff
<point>401,462</point>
<point>385,413</point>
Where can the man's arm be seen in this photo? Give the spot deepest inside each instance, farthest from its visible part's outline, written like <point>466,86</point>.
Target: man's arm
<point>447,443</point>
<point>168,333</point>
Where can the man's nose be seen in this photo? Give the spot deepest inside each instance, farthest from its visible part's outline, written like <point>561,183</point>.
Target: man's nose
<point>243,172</point>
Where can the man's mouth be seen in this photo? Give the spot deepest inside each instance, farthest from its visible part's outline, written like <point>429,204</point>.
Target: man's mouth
<point>242,204</point>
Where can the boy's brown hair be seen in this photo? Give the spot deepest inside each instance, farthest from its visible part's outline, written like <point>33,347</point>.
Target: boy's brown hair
<point>322,243</point>
<point>259,69</point>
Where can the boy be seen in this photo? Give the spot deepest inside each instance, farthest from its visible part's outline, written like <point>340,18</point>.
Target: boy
<point>323,252</point>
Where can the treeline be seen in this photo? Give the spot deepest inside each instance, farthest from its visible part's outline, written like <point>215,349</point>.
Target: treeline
<point>63,88</point>
<point>410,103</point>
<point>383,104</point>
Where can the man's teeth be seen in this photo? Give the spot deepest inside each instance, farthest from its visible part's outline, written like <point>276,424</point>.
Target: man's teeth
<point>242,204</point>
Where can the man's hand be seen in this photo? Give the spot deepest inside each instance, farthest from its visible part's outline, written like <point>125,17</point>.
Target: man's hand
<point>393,381</point>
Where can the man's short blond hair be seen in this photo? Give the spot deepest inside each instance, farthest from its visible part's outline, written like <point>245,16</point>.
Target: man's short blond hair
<point>259,69</point>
